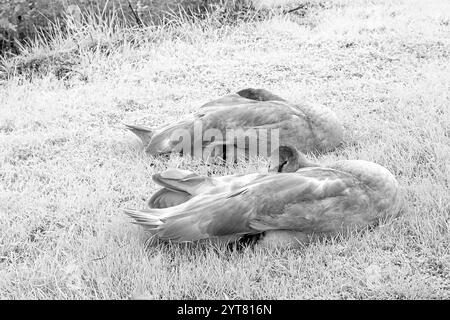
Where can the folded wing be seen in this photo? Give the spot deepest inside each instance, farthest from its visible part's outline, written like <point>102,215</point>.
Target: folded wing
<point>302,201</point>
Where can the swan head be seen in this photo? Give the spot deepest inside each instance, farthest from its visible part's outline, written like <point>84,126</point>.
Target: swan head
<point>289,159</point>
<point>259,95</point>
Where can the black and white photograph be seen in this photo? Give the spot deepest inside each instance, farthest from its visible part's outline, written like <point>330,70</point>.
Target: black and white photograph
<point>245,151</point>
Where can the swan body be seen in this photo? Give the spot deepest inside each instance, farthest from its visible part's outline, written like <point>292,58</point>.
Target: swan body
<point>307,127</point>
<point>286,207</point>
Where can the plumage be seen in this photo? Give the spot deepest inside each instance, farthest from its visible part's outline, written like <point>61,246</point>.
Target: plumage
<point>178,190</point>
<point>288,207</point>
<point>304,126</point>
<point>181,185</point>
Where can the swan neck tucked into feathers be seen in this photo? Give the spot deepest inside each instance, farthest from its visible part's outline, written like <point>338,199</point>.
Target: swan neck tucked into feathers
<point>290,160</point>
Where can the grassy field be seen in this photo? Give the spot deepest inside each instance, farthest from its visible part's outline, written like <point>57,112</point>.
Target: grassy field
<point>68,167</point>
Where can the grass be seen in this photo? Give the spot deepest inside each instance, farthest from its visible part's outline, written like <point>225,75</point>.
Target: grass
<point>67,167</point>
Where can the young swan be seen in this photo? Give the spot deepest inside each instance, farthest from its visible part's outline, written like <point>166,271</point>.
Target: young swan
<point>286,208</point>
<point>308,127</point>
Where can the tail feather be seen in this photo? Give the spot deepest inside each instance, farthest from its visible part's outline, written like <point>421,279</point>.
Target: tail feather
<point>144,133</point>
<point>201,217</point>
<point>144,218</point>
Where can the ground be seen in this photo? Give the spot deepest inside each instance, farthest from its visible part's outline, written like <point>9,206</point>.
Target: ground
<point>68,167</point>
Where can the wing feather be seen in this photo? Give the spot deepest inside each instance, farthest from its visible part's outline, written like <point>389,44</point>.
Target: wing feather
<point>181,180</point>
<point>323,201</point>
<point>165,198</point>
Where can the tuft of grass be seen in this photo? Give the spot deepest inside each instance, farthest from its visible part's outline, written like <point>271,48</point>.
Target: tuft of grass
<point>67,166</point>
<point>69,43</point>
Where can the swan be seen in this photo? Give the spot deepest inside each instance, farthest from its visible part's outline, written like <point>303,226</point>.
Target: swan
<point>285,208</point>
<point>307,127</point>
